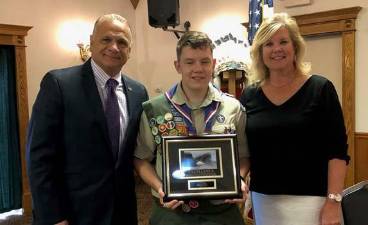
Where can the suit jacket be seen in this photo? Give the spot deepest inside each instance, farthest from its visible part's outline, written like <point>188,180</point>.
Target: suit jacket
<point>71,169</point>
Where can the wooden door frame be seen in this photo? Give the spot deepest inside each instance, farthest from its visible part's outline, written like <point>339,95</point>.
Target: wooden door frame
<point>339,22</point>
<point>15,35</point>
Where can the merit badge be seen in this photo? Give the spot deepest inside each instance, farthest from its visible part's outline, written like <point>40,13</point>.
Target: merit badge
<point>178,119</point>
<point>160,119</point>
<point>168,116</point>
<point>175,113</point>
<point>158,139</point>
<point>162,127</point>
<point>173,132</point>
<point>152,122</point>
<point>193,204</point>
<point>154,131</point>
<point>165,134</point>
<point>182,129</point>
<point>220,118</point>
<point>170,125</point>
<point>185,207</point>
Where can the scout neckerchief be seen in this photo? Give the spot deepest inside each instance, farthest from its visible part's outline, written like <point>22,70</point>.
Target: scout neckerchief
<point>184,110</point>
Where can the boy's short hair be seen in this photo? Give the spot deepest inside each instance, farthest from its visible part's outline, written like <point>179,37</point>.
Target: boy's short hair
<point>193,39</point>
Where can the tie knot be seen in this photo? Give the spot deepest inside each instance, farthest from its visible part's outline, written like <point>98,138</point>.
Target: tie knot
<point>112,83</point>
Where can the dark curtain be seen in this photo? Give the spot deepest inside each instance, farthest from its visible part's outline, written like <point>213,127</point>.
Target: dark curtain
<point>10,164</point>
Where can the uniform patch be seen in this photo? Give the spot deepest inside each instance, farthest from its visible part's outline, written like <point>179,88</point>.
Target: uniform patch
<point>185,207</point>
<point>193,204</point>
<point>170,125</point>
<point>160,120</point>
<point>162,127</point>
<point>182,129</point>
<point>154,131</point>
<point>152,122</point>
<point>168,116</point>
<point>220,118</point>
<point>158,139</point>
<point>178,119</point>
<point>173,132</point>
<point>175,113</point>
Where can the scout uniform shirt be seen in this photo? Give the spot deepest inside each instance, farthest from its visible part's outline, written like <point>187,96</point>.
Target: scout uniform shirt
<point>227,117</point>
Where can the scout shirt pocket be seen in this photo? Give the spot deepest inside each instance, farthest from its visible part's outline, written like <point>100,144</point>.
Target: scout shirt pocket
<point>218,128</point>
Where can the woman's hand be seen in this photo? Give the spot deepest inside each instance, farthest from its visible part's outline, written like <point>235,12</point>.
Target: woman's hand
<point>330,213</point>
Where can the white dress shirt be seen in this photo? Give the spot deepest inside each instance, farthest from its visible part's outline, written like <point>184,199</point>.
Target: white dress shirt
<point>101,78</point>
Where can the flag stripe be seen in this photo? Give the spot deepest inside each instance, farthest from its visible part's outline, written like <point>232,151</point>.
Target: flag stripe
<point>258,9</point>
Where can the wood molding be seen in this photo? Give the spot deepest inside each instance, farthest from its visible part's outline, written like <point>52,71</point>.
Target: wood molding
<point>14,35</point>
<point>326,22</point>
<point>361,157</point>
<point>7,29</point>
<point>327,18</point>
<point>134,3</point>
<point>296,3</point>
<point>339,22</point>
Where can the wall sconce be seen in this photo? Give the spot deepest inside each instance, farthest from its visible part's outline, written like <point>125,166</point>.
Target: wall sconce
<point>84,51</point>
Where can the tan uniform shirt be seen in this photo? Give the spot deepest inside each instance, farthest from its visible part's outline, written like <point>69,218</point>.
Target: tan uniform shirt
<point>230,108</point>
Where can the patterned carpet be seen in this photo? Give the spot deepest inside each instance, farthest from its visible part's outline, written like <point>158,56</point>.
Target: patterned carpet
<point>144,201</point>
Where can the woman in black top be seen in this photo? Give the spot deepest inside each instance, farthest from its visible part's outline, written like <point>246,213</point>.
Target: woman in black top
<point>296,132</point>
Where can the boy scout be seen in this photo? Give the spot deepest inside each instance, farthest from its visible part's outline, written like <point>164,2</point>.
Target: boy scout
<point>192,107</point>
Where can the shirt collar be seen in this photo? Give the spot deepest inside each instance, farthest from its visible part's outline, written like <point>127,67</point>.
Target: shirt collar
<point>102,77</point>
<point>213,94</point>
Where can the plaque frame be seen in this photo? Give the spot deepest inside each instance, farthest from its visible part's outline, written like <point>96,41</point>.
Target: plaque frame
<point>196,167</point>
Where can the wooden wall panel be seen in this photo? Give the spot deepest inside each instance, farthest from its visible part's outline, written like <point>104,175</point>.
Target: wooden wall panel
<point>361,157</point>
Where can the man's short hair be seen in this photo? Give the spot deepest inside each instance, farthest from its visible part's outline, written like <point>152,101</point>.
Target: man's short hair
<point>110,17</point>
<point>193,39</point>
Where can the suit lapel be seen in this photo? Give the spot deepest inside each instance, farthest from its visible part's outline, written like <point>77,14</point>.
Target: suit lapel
<point>93,99</point>
<point>129,94</point>
<point>128,91</point>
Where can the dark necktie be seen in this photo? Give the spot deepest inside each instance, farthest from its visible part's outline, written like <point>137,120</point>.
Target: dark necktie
<point>112,114</point>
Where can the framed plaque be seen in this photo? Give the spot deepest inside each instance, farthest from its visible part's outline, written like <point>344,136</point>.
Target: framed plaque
<point>201,167</point>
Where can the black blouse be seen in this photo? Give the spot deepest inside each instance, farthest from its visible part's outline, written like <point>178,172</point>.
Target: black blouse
<point>290,144</point>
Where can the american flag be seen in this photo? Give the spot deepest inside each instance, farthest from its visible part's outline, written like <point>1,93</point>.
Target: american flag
<point>258,10</point>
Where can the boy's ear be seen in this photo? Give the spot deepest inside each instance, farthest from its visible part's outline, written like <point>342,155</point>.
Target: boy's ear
<point>177,66</point>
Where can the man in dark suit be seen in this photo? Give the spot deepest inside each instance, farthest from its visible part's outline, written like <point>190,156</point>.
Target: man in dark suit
<point>80,168</point>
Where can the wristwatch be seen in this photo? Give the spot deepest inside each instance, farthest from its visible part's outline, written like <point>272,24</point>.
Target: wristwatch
<point>334,197</point>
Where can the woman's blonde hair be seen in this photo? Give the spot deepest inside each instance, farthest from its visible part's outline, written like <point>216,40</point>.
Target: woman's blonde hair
<point>259,72</point>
